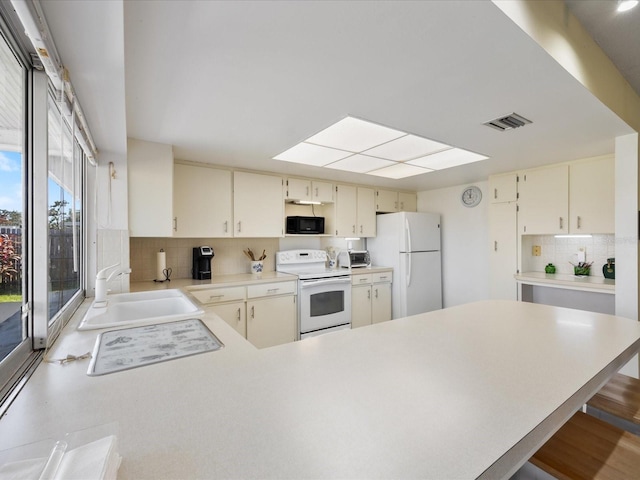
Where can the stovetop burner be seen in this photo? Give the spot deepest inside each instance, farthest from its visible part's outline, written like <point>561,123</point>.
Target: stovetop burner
<point>306,264</point>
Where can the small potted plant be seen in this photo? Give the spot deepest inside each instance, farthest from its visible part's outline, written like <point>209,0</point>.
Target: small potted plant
<point>581,268</point>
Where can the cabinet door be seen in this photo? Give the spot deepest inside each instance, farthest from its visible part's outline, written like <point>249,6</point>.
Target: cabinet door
<point>503,257</point>
<point>201,201</point>
<point>346,211</point>
<point>322,192</point>
<point>592,196</point>
<point>271,321</point>
<point>298,189</point>
<point>407,202</point>
<point>150,185</point>
<point>366,213</point>
<point>360,306</point>
<point>380,302</point>
<point>258,205</point>
<point>544,201</point>
<point>503,188</point>
<point>234,314</point>
<point>386,201</point>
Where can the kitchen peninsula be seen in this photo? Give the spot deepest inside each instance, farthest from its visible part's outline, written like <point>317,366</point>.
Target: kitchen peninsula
<point>465,392</point>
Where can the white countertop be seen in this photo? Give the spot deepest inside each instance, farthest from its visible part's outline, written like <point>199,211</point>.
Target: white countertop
<point>239,279</point>
<point>457,393</point>
<point>570,282</point>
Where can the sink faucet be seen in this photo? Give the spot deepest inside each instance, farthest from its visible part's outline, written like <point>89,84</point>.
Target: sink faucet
<point>101,283</point>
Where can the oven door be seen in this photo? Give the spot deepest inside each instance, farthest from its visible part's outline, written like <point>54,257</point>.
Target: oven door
<point>324,303</point>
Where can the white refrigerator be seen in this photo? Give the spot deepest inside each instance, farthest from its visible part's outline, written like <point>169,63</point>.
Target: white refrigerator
<point>410,243</point>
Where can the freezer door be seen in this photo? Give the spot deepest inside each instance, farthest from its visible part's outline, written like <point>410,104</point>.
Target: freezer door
<point>418,288</point>
<point>421,232</point>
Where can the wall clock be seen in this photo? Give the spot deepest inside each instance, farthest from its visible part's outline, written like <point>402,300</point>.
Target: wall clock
<point>471,196</point>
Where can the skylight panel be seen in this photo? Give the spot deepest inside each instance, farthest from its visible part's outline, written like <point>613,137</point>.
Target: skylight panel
<point>406,148</point>
<point>354,135</point>
<point>360,164</point>
<point>309,154</point>
<point>447,159</point>
<point>399,170</point>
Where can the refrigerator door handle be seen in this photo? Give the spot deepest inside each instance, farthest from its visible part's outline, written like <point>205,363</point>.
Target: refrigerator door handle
<point>408,257</point>
<point>407,229</point>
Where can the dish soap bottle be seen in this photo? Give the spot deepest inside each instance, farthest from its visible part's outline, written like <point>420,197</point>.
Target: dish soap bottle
<point>609,270</point>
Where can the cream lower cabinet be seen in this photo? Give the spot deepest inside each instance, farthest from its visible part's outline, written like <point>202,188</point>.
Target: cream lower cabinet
<point>271,314</point>
<point>265,314</point>
<point>503,251</point>
<point>370,298</point>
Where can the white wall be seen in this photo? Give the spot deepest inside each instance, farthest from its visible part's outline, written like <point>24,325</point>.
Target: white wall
<point>465,240</point>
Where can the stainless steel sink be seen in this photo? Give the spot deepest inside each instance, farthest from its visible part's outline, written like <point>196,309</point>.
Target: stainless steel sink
<point>140,307</point>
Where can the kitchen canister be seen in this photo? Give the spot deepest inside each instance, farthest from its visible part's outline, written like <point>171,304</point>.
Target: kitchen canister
<point>257,266</point>
<point>609,268</point>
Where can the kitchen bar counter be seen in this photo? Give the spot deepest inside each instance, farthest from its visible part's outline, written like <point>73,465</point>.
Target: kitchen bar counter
<point>465,392</point>
<point>570,282</point>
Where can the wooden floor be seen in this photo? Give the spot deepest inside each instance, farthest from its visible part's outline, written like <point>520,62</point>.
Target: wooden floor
<point>588,448</point>
<point>619,397</point>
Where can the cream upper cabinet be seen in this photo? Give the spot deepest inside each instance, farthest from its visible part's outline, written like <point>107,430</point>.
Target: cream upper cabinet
<point>258,205</point>
<point>366,212</point>
<point>150,188</point>
<point>592,196</point>
<point>201,201</point>
<point>346,211</point>
<point>388,201</point>
<point>503,188</point>
<point>407,202</point>
<point>308,190</point>
<point>544,201</point>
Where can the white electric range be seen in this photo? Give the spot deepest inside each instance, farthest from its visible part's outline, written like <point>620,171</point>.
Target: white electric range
<point>324,294</point>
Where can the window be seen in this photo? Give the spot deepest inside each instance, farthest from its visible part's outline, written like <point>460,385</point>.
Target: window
<point>15,345</point>
<point>64,211</point>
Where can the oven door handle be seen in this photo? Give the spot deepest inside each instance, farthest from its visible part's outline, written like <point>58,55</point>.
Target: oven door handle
<point>330,281</point>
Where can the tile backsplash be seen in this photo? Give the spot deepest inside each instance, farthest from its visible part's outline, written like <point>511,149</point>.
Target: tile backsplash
<point>562,251</point>
<point>228,257</point>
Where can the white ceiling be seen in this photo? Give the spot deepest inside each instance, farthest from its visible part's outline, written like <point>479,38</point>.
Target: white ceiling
<point>235,83</point>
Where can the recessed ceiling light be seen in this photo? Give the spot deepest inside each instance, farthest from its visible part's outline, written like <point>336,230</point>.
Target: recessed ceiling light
<point>360,163</point>
<point>626,5</point>
<point>400,170</point>
<point>359,146</point>
<point>354,135</point>
<point>312,154</point>
<point>447,159</point>
<point>406,148</point>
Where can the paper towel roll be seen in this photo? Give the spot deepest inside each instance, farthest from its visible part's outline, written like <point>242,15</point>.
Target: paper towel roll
<point>161,265</point>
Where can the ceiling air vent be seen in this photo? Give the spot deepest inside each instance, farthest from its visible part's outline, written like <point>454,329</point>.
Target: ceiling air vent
<point>507,122</point>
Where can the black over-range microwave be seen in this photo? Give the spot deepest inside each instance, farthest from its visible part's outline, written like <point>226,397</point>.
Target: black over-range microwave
<point>310,225</point>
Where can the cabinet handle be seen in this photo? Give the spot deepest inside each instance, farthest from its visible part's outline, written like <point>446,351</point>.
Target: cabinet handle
<point>376,293</point>
<point>307,194</point>
<point>395,205</point>
<point>211,297</point>
<point>238,313</point>
<point>495,245</point>
<point>360,228</point>
<point>239,226</point>
<point>561,223</point>
<point>363,280</point>
<point>369,294</point>
<point>354,229</point>
<point>272,290</point>
<point>226,226</point>
<point>383,277</point>
<point>495,193</point>
<point>253,311</point>
<point>175,224</point>
<point>579,222</point>
<point>317,192</point>
<point>402,206</point>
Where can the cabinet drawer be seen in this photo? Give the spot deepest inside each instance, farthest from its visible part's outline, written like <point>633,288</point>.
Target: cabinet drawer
<point>362,279</point>
<point>382,277</point>
<point>270,289</point>
<point>219,295</point>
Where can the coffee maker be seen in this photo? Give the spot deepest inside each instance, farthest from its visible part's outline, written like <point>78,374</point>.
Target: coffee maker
<point>201,269</point>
